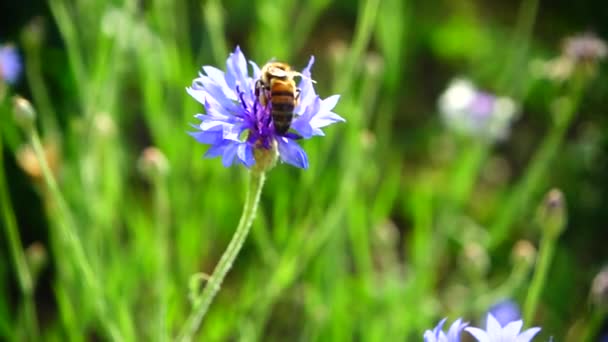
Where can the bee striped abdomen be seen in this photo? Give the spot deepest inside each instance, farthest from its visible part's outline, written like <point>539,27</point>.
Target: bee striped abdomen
<point>282,99</point>
<point>277,87</point>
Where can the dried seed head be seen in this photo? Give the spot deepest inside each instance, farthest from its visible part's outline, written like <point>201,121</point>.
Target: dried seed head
<point>585,48</point>
<point>152,163</point>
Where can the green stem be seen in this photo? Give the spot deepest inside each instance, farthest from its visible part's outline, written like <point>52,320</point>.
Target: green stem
<point>23,273</point>
<point>467,170</point>
<point>521,197</point>
<point>363,32</point>
<point>162,226</point>
<point>547,249</point>
<point>202,303</point>
<point>520,43</point>
<point>68,233</point>
<point>214,20</point>
<point>594,324</point>
<point>38,86</point>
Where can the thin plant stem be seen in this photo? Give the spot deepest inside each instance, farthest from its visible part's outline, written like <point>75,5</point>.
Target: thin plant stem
<point>363,33</point>
<point>202,303</point>
<point>162,225</point>
<point>300,252</point>
<point>519,46</point>
<point>521,196</point>
<point>16,249</point>
<point>67,226</point>
<point>39,89</point>
<point>594,324</point>
<point>467,170</point>
<point>214,20</point>
<point>547,249</point>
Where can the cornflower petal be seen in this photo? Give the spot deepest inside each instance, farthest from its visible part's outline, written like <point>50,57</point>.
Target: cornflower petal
<point>437,334</point>
<point>216,150</point>
<point>307,91</point>
<point>245,154</point>
<point>528,335</point>
<point>218,76</point>
<point>229,154</point>
<point>207,137</point>
<point>493,327</point>
<point>495,333</point>
<point>325,116</point>
<point>512,329</point>
<point>292,153</point>
<point>256,70</point>
<point>455,330</point>
<point>479,334</point>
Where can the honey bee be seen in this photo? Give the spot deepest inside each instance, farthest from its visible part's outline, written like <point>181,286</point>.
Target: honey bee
<point>277,86</point>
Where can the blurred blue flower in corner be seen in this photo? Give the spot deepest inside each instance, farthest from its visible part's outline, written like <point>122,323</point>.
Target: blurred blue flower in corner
<point>505,312</point>
<point>236,124</point>
<point>10,63</point>
<point>495,332</point>
<point>437,334</point>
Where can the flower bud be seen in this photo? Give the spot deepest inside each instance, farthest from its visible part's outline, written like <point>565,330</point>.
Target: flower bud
<point>36,256</point>
<point>374,64</point>
<point>152,163</point>
<point>523,253</point>
<point>265,159</point>
<point>104,125</point>
<point>24,113</point>
<point>33,33</point>
<point>385,240</point>
<point>28,161</point>
<point>475,258</point>
<point>337,51</point>
<point>599,289</point>
<point>552,215</point>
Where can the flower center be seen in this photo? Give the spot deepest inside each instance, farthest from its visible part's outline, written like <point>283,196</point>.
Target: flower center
<point>258,121</point>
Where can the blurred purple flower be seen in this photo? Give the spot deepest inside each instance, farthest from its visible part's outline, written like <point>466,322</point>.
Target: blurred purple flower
<point>437,334</point>
<point>10,63</point>
<point>236,123</point>
<point>496,333</point>
<point>469,111</point>
<point>585,47</point>
<point>505,312</point>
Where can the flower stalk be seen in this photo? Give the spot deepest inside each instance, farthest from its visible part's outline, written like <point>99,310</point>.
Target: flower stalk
<point>552,220</point>
<point>214,283</point>
<point>25,116</point>
<point>24,274</point>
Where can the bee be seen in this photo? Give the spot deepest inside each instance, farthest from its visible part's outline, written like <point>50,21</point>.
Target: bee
<point>277,86</point>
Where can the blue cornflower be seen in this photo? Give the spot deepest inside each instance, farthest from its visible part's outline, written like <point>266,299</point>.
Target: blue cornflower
<point>496,333</point>
<point>505,312</point>
<point>10,63</point>
<point>238,126</point>
<point>437,334</point>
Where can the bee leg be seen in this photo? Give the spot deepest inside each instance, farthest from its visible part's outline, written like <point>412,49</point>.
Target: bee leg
<point>297,97</point>
<point>258,88</point>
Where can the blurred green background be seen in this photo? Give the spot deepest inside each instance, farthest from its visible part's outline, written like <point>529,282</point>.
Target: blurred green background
<point>398,222</point>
